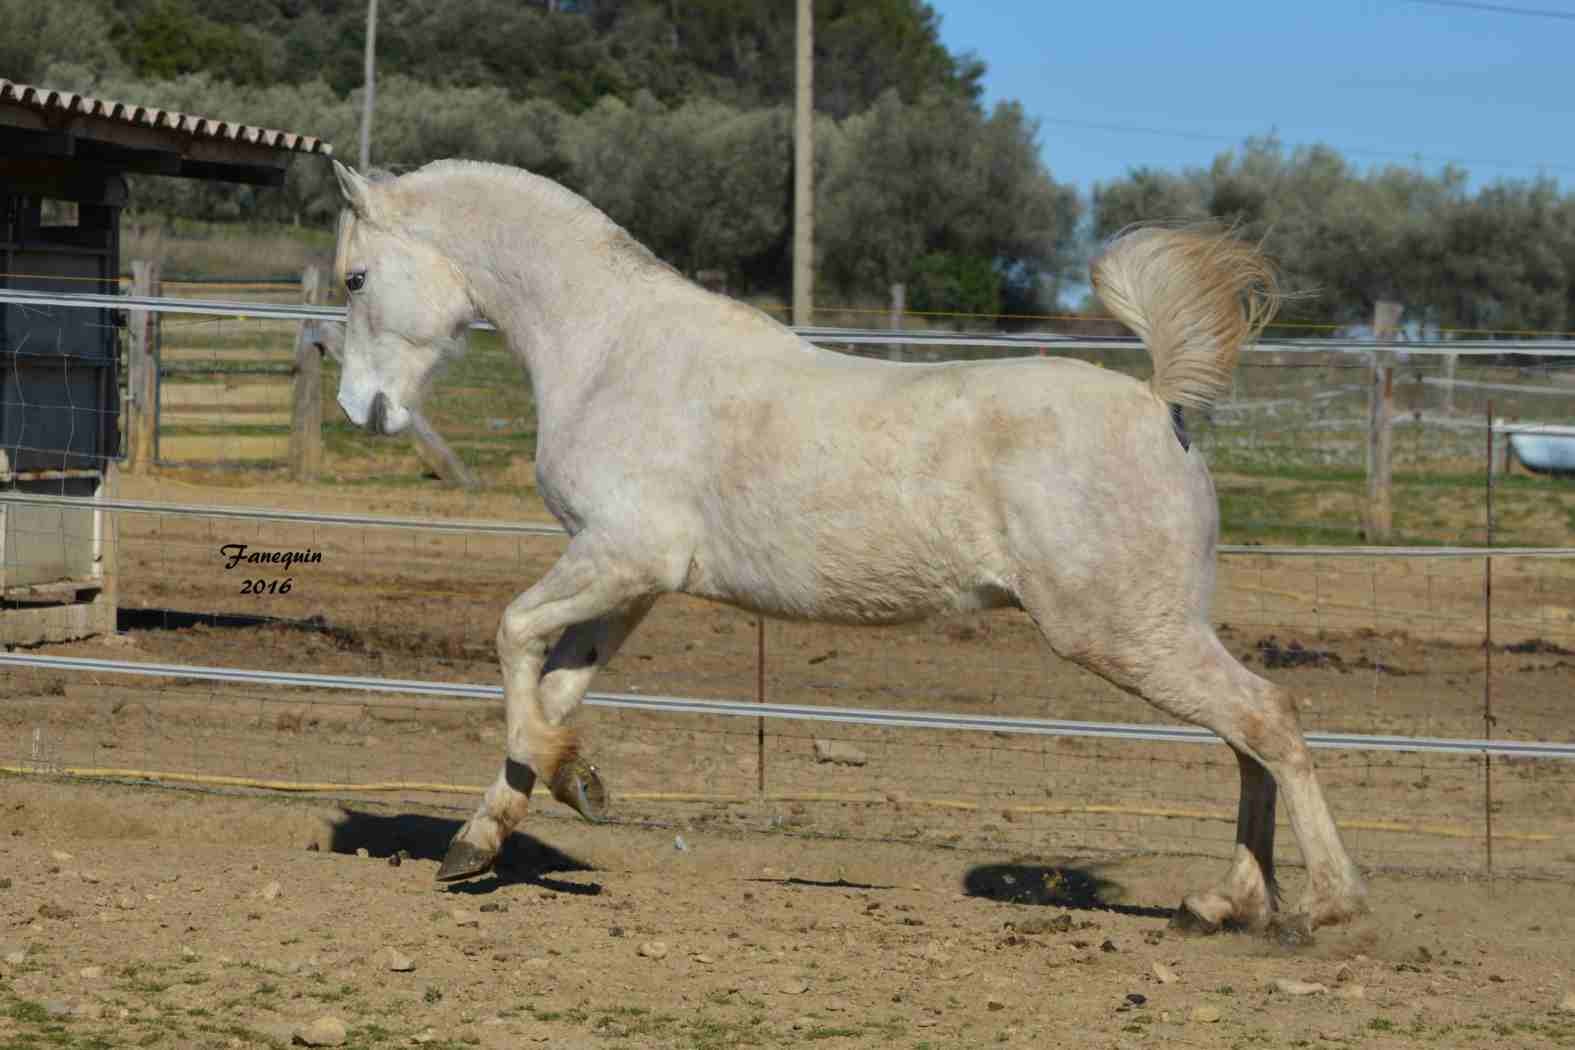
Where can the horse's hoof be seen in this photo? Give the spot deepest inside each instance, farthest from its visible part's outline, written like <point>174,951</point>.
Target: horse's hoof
<point>464,861</point>
<point>1290,931</point>
<point>577,785</point>
<point>1185,920</point>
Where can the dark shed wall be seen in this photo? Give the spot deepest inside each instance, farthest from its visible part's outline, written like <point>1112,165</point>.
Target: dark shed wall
<point>59,394</point>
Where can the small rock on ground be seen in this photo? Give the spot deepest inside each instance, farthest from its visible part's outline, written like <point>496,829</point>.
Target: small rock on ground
<point>654,950</point>
<point>1351,991</point>
<point>391,958</point>
<point>271,891</point>
<point>839,753</point>
<point>1568,1005</point>
<point>1285,986</point>
<point>1206,1014</point>
<point>1056,924</point>
<point>325,1031</point>
<point>1164,974</point>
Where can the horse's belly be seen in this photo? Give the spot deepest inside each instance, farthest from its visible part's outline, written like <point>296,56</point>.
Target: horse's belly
<point>849,577</point>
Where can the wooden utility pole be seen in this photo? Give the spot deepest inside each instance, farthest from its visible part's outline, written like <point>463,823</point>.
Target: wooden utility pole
<point>899,306</point>
<point>142,371</point>
<point>371,85</point>
<point>1380,425</point>
<point>804,171</point>
<point>306,402</point>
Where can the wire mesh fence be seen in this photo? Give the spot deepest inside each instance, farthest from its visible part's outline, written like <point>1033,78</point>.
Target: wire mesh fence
<point>1368,643</point>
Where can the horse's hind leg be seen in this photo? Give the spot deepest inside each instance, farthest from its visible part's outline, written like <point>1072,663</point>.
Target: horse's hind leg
<point>597,607</point>
<point>1249,894</point>
<point>1187,672</point>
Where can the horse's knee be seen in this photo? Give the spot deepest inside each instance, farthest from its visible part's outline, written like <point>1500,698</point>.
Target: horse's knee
<point>517,638</point>
<point>1271,729</point>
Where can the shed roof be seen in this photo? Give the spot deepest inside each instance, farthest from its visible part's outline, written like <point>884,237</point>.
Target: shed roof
<point>45,132</point>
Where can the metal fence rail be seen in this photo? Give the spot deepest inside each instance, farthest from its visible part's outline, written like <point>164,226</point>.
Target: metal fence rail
<point>803,712</point>
<point>529,529</point>
<point>1552,348</point>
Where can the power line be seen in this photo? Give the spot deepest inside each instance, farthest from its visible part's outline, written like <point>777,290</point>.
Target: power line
<point>1502,9</point>
<point>1416,155</point>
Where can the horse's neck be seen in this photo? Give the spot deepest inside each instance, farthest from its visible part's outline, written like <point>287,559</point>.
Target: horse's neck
<point>560,302</point>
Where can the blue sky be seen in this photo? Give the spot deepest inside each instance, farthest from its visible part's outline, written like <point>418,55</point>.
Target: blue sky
<point>1385,81</point>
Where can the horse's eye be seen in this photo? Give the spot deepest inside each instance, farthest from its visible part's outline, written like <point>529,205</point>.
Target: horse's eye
<point>355,281</point>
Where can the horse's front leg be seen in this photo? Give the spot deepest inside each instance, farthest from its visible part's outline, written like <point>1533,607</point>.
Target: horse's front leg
<point>596,601</point>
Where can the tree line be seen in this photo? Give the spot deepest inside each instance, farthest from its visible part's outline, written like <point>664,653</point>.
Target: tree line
<point>1497,261</point>
<point>675,117</point>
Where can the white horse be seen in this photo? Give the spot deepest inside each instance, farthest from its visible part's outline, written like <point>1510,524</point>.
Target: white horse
<point>691,444</point>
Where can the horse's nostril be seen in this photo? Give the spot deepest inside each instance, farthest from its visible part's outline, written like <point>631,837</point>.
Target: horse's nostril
<point>379,416</point>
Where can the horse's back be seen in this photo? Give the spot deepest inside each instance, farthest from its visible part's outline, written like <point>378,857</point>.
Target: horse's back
<point>876,494</point>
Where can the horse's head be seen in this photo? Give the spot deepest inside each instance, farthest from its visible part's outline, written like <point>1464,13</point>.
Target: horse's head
<point>409,306</point>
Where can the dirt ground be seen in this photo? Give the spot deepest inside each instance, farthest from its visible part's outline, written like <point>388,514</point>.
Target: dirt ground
<point>880,899</point>
<point>145,917</point>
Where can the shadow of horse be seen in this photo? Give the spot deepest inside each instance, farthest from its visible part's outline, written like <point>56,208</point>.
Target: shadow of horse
<point>1078,889</point>
<point>524,859</point>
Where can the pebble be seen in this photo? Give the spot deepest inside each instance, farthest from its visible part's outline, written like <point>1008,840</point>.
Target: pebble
<point>654,950</point>
<point>994,1003</point>
<point>464,918</point>
<point>363,852</point>
<point>839,753</point>
<point>794,988</point>
<point>426,1035</point>
<point>1344,974</point>
<point>1285,986</point>
<point>1055,924</point>
<point>16,958</point>
<point>325,1031</point>
<point>391,958</point>
<point>91,973</point>
<point>1164,974</point>
<point>271,891</point>
<point>60,856</point>
<point>1568,1005</point>
<point>89,877</point>
<point>679,844</point>
<point>1206,1014</point>
<point>1351,991</point>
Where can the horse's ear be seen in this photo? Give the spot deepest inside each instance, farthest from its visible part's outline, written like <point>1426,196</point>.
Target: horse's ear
<point>356,190</point>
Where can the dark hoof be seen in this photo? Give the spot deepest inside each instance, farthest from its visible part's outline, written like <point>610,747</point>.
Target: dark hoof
<point>1290,931</point>
<point>1185,920</point>
<point>577,785</point>
<point>464,861</point>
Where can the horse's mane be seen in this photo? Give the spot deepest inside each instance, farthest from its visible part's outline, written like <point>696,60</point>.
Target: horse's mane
<point>580,213</point>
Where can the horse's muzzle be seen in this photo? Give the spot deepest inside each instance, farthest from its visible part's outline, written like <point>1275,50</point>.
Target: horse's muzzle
<point>377,419</point>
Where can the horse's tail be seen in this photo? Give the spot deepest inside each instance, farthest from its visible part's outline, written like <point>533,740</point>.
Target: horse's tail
<point>1194,297</point>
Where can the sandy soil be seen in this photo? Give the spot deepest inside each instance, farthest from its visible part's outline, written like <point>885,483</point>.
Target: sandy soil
<point>154,927</point>
<point>872,904</point>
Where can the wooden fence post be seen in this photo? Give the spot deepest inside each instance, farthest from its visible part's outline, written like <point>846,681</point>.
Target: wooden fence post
<point>1380,426</point>
<point>306,411</point>
<point>142,371</point>
<point>430,446</point>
